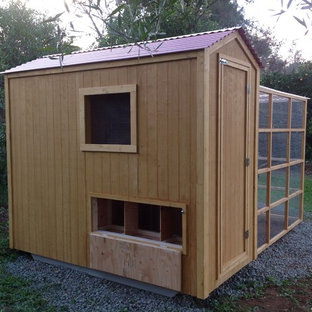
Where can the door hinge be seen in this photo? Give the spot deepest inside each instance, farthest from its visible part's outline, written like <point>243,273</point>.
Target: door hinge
<point>223,61</point>
<point>247,162</point>
<point>247,234</point>
<point>248,88</point>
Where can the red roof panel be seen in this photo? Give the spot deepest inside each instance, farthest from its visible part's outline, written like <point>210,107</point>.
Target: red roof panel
<point>159,47</point>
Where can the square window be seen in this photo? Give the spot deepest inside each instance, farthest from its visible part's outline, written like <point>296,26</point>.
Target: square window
<point>108,119</point>
<point>280,111</point>
<point>279,148</point>
<point>295,178</point>
<point>262,229</point>
<point>297,114</point>
<point>294,209</point>
<point>277,220</point>
<point>262,190</point>
<point>296,141</point>
<point>278,184</point>
<point>263,150</point>
<point>264,110</point>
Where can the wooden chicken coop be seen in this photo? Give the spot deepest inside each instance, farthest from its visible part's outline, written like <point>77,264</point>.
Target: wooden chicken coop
<point>144,167</point>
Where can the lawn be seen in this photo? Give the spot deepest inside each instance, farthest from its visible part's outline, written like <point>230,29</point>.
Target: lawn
<point>308,193</point>
<point>16,293</point>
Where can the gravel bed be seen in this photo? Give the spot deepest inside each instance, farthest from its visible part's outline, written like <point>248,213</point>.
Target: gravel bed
<point>289,258</point>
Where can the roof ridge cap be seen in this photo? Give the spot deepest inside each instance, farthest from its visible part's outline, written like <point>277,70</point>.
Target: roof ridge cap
<point>155,41</point>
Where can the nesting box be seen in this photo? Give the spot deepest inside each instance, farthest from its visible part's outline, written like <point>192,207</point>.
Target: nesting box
<point>138,162</point>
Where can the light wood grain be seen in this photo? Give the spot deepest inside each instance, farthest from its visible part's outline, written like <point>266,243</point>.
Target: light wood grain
<point>143,262</point>
<point>233,187</point>
<point>172,162</point>
<point>9,164</point>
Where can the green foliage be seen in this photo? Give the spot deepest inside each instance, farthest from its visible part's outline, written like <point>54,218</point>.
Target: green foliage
<point>136,20</point>
<point>267,48</point>
<point>308,194</point>
<point>295,79</point>
<point>3,182</point>
<point>6,254</point>
<point>302,10</point>
<point>25,35</point>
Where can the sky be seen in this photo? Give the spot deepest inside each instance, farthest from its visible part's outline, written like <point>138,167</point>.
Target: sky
<point>286,28</point>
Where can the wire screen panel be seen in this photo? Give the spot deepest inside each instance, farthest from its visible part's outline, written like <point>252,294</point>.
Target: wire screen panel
<point>297,114</point>
<point>281,137</point>
<point>280,112</point>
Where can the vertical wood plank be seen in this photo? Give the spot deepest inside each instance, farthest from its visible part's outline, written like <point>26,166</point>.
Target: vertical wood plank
<point>200,212</point>
<point>51,165</point>
<point>122,78</point>
<point>66,166</point>
<point>84,214</point>
<point>162,124</point>
<point>255,151</point>
<point>45,228</point>
<point>105,157</point>
<point>20,215</point>
<point>151,116</point>
<point>9,160</point>
<point>142,130</point>
<point>190,217</point>
<point>58,158</point>
<point>133,158</point>
<point>73,101</point>
<point>173,134</point>
<point>184,131</point>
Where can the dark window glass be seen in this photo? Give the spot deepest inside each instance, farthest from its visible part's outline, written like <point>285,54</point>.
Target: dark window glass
<point>109,119</point>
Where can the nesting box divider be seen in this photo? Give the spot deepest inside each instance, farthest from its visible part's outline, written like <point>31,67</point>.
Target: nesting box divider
<point>131,218</point>
<point>154,222</point>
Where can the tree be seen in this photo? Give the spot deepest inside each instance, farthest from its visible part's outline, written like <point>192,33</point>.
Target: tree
<point>302,12</point>
<point>24,35</point>
<point>142,20</point>
<point>124,21</point>
<point>296,79</point>
<point>267,47</point>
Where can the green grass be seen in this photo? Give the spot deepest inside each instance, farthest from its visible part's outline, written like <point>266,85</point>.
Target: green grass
<point>308,194</point>
<point>16,293</point>
<point>276,194</point>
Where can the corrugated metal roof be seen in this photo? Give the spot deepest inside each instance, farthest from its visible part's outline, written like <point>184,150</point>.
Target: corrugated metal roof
<point>162,46</point>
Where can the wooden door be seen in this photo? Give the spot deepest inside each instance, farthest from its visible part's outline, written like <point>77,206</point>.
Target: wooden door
<point>233,207</point>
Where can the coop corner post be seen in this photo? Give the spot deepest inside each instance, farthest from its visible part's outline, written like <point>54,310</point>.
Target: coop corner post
<point>202,160</point>
<point>256,148</point>
<point>9,169</point>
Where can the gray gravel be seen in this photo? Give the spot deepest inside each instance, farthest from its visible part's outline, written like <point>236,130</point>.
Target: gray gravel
<point>289,258</point>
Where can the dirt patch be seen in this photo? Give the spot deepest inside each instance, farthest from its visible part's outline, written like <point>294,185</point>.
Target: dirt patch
<point>296,296</point>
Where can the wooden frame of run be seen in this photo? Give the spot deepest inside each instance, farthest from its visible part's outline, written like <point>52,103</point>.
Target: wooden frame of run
<point>288,163</point>
<point>83,93</point>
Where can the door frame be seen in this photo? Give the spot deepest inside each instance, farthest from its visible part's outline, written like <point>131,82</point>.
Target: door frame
<point>240,261</point>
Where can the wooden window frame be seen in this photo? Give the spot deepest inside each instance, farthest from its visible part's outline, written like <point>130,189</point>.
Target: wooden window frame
<point>287,165</point>
<point>125,148</point>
